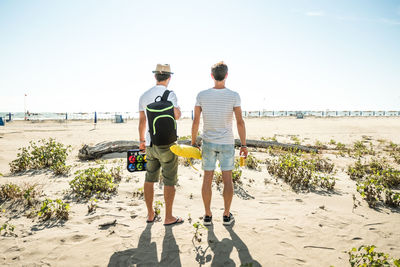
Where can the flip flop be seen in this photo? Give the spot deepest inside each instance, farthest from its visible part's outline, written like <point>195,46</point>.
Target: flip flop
<point>151,221</point>
<point>178,221</point>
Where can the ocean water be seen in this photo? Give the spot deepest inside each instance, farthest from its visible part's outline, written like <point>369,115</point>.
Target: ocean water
<point>188,114</point>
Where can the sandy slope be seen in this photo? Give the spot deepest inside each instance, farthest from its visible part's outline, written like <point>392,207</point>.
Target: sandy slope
<point>274,225</point>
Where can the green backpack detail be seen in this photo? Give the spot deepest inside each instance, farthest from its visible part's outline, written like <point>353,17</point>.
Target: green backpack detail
<point>161,118</point>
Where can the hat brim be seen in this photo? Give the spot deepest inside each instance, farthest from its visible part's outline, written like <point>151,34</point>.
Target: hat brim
<point>164,72</point>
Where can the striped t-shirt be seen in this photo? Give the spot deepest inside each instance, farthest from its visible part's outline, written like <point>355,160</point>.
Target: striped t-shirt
<point>217,108</point>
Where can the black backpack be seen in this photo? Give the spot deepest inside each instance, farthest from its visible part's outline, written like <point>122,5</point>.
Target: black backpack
<point>162,124</point>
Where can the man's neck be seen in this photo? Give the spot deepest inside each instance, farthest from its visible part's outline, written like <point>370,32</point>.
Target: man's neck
<point>162,83</point>
<point>219,84</point>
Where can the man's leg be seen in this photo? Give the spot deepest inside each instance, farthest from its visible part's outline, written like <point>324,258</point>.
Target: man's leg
<point>152,176</point>
<point>228,191</point>
<point>169,165</point>
<point>206,191</point>
<point>148,197</point>
<point>169,196</point>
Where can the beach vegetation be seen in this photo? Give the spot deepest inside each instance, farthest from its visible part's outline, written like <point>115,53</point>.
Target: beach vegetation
<point>7,229</point>
<point>295,139</point>
<point>332,142</point>
<point>27,192</point>
<point>40,155</point>
<point>303,174</point>
<point>376,182</point>
<point>185,137</point>
<point>98,182</point>
<point>157,208</point>
<point>381,141</point>
<point>116,173</point>
<point>53,209</point>
<point>342,148</point>
<point>92,205</point>
<point>360,149</point>
<point>139,193</point>
<point>273,138</point>
<point>367,256</point>
<point>198,231</point>
<point>394,151</point>
<point>318,144</point>
<point>60,168</point>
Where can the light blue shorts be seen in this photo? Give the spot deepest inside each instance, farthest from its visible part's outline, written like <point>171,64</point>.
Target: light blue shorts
<point>224,153</point>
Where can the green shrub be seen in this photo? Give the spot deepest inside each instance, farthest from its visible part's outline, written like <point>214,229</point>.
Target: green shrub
<point>318,144</point>
<point>7,229</point>
<point>60,168</point>
<point>374,189</point>
<point>53,209</point>
<point>139,193</point>
<point>360,149</point>
<point>92,205</point>
<point>93,181</point>
<point>198,234</point>
<point>366,256</point>
<point>302,174</point>
<point>116,173</point>
<point>340,146</point>
<point>375,181</point>
<point>360,170</point>
<point>273,138</point>
<point>40,155</point>
<point>157,207</point>
<point>11,191</point>
<point>295,139</point>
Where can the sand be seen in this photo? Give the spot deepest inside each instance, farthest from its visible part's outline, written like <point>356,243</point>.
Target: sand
<point>274,225</point>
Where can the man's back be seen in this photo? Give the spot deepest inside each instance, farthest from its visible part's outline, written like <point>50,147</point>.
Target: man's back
<point>149,96</point>
<point>217,108</point>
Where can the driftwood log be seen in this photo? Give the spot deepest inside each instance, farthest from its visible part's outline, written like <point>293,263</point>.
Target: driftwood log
<point>274,144</point>
<point>97,151</point>
<point>100,149</point>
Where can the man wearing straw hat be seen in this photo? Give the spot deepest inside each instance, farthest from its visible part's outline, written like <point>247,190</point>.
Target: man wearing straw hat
<point>218,104</point>
<point>159,157</point>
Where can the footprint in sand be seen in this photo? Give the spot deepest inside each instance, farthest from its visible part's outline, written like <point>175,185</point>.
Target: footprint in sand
<point>78,238</point>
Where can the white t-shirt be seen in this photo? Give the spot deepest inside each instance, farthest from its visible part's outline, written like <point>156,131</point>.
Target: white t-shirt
<point>217,108</point>
<point>148,97</point>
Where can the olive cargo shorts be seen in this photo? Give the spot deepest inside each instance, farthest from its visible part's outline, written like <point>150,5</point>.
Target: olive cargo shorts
<point>161,156</point>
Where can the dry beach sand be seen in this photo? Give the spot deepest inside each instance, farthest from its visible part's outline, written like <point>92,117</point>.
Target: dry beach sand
<point>274,225</point>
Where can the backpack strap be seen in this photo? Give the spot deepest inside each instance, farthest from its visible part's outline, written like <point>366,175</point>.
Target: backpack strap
<point>165,95</point>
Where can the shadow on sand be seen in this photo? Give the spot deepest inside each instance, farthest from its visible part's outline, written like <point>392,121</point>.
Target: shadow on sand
<point>222,249</point>
<point>146,252</point>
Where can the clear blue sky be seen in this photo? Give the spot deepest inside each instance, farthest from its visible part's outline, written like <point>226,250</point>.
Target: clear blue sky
<point>282,55</point>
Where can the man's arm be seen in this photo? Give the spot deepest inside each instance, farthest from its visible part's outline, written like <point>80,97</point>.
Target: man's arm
<point>177,113</point>
<point>195,124</point>
<point>241,130</point>
<point>142,130</point>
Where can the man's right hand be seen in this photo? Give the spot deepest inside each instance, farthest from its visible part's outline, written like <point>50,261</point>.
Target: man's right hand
<point>142,147</point>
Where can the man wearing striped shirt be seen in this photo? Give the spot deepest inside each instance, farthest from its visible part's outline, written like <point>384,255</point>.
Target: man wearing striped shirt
<point>218,104</point>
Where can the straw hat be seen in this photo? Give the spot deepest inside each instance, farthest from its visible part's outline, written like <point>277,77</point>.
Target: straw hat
<point>163,69</point>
